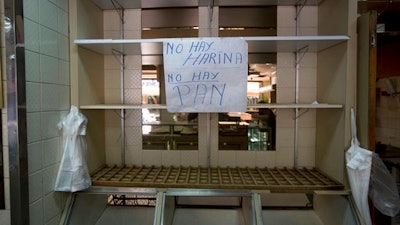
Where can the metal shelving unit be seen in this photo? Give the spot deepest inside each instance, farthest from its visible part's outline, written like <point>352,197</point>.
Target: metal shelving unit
<point>167,184</point>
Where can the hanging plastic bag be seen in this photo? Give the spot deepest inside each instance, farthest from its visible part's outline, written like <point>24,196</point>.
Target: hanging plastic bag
<point>73,174</point>
<point>358,164</point>
<point>383,189</point>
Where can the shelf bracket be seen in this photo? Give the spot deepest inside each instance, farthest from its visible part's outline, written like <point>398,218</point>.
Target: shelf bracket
<point>117,54</point>
<point>299,7</point>
<point>123,116</point>
<point>120,10</point>
<point>388,4</point>
<point>302,51</point>
<point>301,113</point>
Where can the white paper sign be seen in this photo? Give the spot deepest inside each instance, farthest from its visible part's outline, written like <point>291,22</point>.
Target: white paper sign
<point>206,74</point>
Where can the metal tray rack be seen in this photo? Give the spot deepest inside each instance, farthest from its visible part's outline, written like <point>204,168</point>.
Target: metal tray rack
<point>272,179</point>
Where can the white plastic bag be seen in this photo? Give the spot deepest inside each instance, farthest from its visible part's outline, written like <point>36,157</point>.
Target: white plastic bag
<point>73,174</point>
<point>358,164</point>
<point>383,189</point>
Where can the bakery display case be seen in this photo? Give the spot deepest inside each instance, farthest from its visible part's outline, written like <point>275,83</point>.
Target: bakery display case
<point>303,158</point>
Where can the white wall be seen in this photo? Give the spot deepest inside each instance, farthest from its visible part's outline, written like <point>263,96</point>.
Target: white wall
<point>307,23</point>
<point>284,156</point>
<point>48,100</point>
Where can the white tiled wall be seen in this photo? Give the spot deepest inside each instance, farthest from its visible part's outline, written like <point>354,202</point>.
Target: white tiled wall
<point>48,101</point>
<point>286,83</point>
<point>132,90</point>
<point>286,94</point>
<point>132,94</point>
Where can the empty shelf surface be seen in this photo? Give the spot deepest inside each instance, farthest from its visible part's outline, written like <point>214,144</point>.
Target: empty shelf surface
<point>257,44</point>
<point>273,179</point>
<point>162,106</point>
<point>134,4</point>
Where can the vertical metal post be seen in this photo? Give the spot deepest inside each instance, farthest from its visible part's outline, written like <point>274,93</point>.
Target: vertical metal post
<point>121,12</point>
<point>16,111</point>
<point>257,209</point>
<point>122,75</point>
<point>297,77</point>
<point>159,210</point>
<point>296,115</point>
<point>123,142</point>
<point>210,9</point>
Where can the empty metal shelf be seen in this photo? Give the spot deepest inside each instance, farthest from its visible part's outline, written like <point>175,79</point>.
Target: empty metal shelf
<point>272,179</point>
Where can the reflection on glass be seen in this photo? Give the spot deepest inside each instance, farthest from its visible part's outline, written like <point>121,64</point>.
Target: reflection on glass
<point>255,129</point>
<point>178,132</point>
<point>163,130</point>
<point>262,134</point>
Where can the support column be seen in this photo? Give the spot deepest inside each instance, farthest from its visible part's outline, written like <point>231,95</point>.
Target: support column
<point>16,112</point>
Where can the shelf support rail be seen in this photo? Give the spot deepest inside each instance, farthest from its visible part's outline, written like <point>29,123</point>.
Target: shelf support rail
<point>299,54</point>
<point>298,58</point>
<point>120,10</point>
<point>121,58</point>
<point>209,116</point>
<point>299,7</point>
<point>210,14</point>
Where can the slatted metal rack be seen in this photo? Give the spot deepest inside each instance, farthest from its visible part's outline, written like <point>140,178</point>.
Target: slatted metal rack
<point>273,179</point>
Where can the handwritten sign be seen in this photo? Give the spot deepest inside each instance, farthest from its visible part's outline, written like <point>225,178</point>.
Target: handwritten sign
<point>206,74</point>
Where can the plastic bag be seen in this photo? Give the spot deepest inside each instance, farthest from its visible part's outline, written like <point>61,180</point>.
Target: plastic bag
<point>358,169</point>
<point>358,164</point>
<point>73,174</point>
<point>383,189</point>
